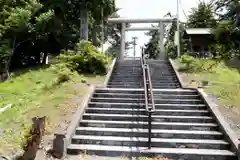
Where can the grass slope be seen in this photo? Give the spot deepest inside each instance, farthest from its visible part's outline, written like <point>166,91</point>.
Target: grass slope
<point>37,92</point>
<point>222,80</point>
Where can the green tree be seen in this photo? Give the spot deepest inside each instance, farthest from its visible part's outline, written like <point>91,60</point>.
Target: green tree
<point>202,16</point>
<point>170,47</point>
<point>227,31</point>
<point>31,28</point>
<point>152,47</point>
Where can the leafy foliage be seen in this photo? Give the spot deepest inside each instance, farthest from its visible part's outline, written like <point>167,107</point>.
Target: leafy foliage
<point>85,58</point>
<point>227,32</point>
<point>197,65</point>
<point>152,47</point>
<point>170,47</point>
<point>31,29</point>
<point>202,16</point>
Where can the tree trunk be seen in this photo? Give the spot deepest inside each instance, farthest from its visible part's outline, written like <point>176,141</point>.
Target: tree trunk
<point>94,36</point>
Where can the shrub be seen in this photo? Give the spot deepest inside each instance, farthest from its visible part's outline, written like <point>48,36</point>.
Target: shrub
<point>85,58</point>
<point>188,60</point>
<point>198,65</point>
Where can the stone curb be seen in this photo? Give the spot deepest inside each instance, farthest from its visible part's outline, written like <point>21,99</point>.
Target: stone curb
<point>172,64</point>
<point>110,72</point>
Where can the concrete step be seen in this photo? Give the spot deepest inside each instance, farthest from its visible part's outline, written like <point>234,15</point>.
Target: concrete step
<point>156,133</point>
<point>170,153</point>
<point>142,105</point>
<point>140,83</point>
<point>126,85</point>
<point>134,73</point>
<point>140,79</point>
<point>155,125</point>
<point>119,90</point>
<point>121,69</point>
<point>127,76</point>
<point>157,101</point>
<point>161,91</point>
<point>155,118</point>
<point>143,111</point>
<point>129,82</point>
<point>156,142</point>
<point>126,79</point>
<point>156,95</point>
<point>163,87</point>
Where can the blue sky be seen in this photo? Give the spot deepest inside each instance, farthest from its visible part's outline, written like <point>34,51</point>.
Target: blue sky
<point>151,9</point>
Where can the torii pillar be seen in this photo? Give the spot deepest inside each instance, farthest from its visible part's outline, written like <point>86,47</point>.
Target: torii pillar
<point>122,49</point>
<point>161,39</point>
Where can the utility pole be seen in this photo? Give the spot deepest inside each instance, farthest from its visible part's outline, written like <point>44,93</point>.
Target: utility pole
<point>134,46</point>
<point>178,30</point>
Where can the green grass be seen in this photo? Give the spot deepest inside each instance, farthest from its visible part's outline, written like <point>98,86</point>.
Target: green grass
<point>224,81</point>
<point>37,92</point>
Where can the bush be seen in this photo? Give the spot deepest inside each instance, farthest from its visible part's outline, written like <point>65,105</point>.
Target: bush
<point>197,65</point>
<point>85,58</point>
<point>187,60</point>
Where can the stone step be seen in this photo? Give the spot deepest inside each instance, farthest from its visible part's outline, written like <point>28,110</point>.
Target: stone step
<point>170,153</point>
<point>119,90</point>
<point>143,111</point>
<point>141,83</point>
<point>155,118</point>
<point>156,95</point>
<point>163,87</point>
<point>126,85</point>
<point>156,133</point>
<point>126,79</point>
<point>157,101</point>
<point>137,91</point>
<point>155,125</point>
<point>140,78</point>
<point>127,76</point>
<point>156,142</point>
<point>142,105</point>
<point>129,68</point>
<point>141,86</point>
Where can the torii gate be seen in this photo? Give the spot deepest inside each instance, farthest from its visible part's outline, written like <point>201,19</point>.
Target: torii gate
<point>160,27</point>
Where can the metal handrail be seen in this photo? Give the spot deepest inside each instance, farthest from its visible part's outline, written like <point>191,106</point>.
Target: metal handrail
<point>145,83</point>
<point>151,90</point>
<point>148,93</point>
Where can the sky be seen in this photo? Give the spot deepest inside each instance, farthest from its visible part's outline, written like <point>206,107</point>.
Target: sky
<point>151,9</point>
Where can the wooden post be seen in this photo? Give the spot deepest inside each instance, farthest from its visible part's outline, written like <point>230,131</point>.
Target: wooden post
<point>35,137</point>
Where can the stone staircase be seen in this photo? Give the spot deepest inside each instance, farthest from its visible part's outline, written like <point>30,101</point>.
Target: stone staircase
<point>163,75</point>
<point>115,122</point>
<point>126,74</point>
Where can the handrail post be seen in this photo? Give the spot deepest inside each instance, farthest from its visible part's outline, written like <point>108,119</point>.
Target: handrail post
<point>149,130</point>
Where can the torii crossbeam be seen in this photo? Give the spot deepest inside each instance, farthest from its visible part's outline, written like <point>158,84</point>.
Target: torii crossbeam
<point>160,27</point>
